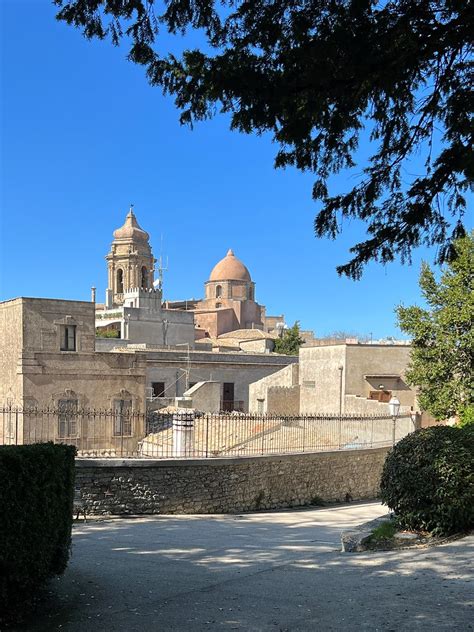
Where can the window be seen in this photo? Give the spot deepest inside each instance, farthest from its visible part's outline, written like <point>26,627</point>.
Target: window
<point>228,396</point>
<point>68,338</point>
<point>260,406</point>
<point>218,291</point>
<point>122,417</point>
<point>158,389</point>
<point>144,283</point>
<point>119,281</point>
<point>67,418</point>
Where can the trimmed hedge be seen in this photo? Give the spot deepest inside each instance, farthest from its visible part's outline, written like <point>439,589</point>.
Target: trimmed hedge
<point>36,501</point>
<point>428,480</point>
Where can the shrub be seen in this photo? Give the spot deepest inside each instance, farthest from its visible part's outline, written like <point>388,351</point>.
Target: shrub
<point>428,480</point>
<point>466,416</point>
<point>107,333</point>
<point>36,497</point>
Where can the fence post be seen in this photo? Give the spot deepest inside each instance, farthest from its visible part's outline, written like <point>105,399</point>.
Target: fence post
<point>263,434</point>
<point>339,441</point>
<point>121,427</point>
<point>207,435</point>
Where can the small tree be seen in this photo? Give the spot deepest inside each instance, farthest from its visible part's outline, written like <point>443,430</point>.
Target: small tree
<point>290,342</point>
<point>442,335</point>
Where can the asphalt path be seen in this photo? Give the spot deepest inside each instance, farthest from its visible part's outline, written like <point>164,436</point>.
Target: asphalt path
<point>278,571</point>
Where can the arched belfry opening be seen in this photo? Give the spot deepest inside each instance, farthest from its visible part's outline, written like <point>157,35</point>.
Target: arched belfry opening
<point>218,291</point>
<point>144,280</point>
<point>119,281</point>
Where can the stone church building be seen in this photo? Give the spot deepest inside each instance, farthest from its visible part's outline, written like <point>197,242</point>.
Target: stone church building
<point>133,302</point>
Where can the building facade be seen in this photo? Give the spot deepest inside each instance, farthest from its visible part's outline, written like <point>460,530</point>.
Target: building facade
<point>48,363</point>
<point>171,372</point>
<point>339,378</point>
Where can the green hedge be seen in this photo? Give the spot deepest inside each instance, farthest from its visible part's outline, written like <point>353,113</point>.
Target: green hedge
<point>428,480</point>
<point>36,498</point>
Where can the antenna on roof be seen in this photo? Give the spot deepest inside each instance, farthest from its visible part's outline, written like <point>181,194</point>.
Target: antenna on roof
<point>161,267</point>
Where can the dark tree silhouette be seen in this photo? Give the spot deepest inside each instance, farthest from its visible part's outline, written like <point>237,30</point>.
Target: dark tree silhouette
<point>316,74</point>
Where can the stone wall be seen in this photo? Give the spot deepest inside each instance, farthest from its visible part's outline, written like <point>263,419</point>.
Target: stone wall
<point>368,366</point>
<point>205,396</point>
<point>284,400</point>
<point>11,345</point>
<point>356,405</point>
<point>258,391</point>
<point>320,379</point>
<point>124,487</point>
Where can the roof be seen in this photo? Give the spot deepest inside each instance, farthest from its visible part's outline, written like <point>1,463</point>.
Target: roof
<point>131,229</point>
<point>248,334</point>
<point>383,375</point>
<point>230,269</point>
<point>215,342</point>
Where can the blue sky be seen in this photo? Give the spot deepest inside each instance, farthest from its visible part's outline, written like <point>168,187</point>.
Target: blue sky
<point>83,136</point>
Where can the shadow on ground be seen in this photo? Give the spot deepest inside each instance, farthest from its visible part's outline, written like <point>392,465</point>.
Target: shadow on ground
<point>266,571</point>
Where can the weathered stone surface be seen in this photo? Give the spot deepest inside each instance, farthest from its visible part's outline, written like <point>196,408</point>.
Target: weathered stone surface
<point>356,540</point>
<point>115,486</point>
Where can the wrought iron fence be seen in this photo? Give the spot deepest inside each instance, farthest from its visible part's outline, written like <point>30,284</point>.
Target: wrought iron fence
<point>123,432</point>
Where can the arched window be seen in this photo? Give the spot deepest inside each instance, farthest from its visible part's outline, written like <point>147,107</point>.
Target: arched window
<point>251,295</point>
<point>119,281</point>
<point>218,291</point>
<point>144,283</point>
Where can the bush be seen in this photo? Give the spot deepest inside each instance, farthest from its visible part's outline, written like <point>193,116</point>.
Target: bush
<point>36,498</point>
<point>466,416</point>
<point>428,480</point>
<point>107,333</point>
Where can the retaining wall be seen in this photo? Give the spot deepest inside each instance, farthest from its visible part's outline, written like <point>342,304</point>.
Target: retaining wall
<point>226,485</point>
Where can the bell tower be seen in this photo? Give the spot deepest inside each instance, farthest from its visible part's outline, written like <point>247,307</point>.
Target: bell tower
<point>130,261</point>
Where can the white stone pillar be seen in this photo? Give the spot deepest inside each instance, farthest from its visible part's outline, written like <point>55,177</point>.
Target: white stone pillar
<point>183,433</point>
<point>109,298</point>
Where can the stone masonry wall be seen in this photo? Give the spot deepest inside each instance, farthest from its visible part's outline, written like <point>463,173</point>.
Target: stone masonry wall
<point>283,400</point>
<point>227,485</point>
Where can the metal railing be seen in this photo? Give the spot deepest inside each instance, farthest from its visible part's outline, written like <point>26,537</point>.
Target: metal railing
<point>129,433</point>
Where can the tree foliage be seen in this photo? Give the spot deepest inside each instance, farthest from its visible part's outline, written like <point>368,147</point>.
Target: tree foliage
<point>315,74</point>
<point>342,334</point>
<point>442,357</point>
<point>290,342</point>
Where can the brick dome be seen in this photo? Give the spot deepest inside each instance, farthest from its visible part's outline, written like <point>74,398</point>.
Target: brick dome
<point>230,269</point>
<point>131,229</point>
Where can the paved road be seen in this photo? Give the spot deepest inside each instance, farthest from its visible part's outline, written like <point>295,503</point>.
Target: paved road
<point>264,571</point>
